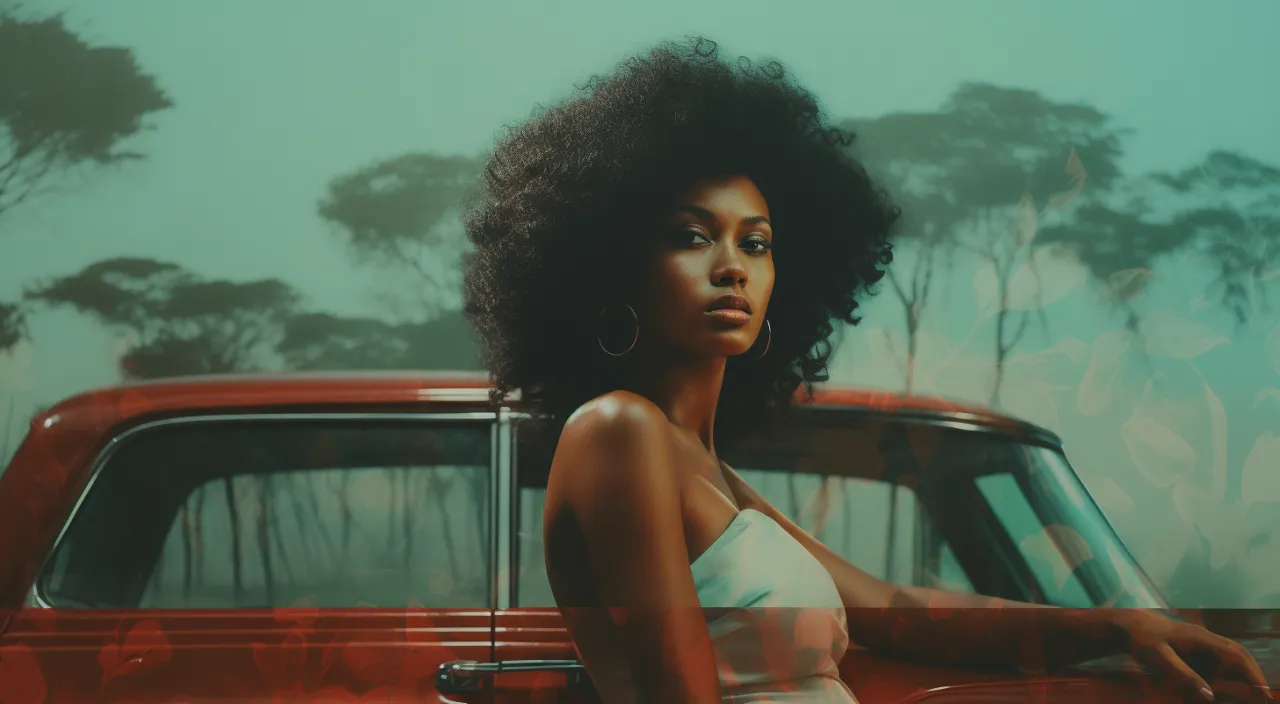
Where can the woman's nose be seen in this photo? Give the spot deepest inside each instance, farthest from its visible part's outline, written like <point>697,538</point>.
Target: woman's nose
<point>729,271</point>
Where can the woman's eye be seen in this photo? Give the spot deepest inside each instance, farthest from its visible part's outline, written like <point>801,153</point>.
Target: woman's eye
<point>757,245</point>
<point>691,236</point>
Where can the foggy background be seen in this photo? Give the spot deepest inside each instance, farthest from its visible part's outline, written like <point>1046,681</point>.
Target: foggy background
<point>1091,238</point>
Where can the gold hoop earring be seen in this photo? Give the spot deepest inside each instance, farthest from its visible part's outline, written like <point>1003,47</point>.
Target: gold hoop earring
<point>768,329</point>
<point>634,337</point>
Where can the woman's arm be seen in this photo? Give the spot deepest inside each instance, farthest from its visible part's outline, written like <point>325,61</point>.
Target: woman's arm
<point>951,628</point>
<point>910,630</point>
<point>613,478</point>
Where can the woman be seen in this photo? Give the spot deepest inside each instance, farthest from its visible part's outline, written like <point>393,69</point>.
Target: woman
<point>658,264</point>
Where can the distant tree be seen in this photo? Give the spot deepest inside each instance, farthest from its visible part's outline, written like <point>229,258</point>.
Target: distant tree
<point>445,342</point>
<point>904,151</point>
<point>1233,220</point>
<point>328,342</point>
<point>976,175</point>
<point>63,105</point>
<point>400,215</point>
<point>322,341</point>
<point>1117,239</point>
<point>71,105</point>
<point>6,429</point>
<point>395,214</point>
<point>1225,210</point>
<point>12,325</point>
<point>176,322</point>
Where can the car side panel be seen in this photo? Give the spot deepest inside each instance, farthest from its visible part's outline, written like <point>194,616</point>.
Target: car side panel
<point>266,655</point>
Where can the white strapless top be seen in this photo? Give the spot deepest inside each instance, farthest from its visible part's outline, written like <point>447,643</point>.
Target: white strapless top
<point>777,622</point>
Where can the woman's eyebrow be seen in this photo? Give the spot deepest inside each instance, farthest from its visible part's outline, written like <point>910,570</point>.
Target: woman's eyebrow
<point>705,214</point>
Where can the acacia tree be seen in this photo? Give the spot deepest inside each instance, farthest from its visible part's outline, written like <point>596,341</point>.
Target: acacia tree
<point>907,152</point>
<point>176,322</point>
<point>399,215</point>
<point>395,214</point>
<point>12,325</point>
<point>321,341</point>
<point>1230,217</point>
<point>70,107</point>
<point>1224,211</point>
<point>969,176</point>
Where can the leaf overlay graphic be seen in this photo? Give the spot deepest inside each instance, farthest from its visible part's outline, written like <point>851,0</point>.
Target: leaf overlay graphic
<point>1269,392</point>
<point>1167,335</point>
<point>1025,220</point>
<point>1059,546</point>
<point>1104,365</point>
<point>1075,170</point>
<point>144,647</point>
<point>1126,284</point>
<point>1218,431</point>
<point>1046,277</point>
<point>1111,497</point>
<point>1271,346</point>
<point>1261,477</point>
<point>302,614</point>
<point>1144,437</point>
<point>283,665</point>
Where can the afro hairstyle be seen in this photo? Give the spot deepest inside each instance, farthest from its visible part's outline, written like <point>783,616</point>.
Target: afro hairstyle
<point>578,188</point>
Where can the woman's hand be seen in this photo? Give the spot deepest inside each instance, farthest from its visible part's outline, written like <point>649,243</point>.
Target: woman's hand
<point>1164,646</point>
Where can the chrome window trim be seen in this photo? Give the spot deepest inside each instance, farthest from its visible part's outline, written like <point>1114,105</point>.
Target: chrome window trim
<point>508,493</point>
<point>1008,427</point>
<point>957,420</point>
<point>37,598</point>
<point>501,523</point>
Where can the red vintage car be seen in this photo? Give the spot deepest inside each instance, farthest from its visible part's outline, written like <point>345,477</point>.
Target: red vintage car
<point>377,537</point>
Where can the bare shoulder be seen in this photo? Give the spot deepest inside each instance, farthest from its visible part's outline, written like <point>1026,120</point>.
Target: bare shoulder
<point>616,411</point>
<point>616,442</point>
<point>614,535</point>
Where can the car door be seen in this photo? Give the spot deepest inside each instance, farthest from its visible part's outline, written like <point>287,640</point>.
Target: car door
<point>905,499</point>
<point>259,557</point>
<point>870,521</point>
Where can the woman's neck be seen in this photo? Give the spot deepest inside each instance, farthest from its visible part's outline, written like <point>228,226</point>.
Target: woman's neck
<point>687,391</point>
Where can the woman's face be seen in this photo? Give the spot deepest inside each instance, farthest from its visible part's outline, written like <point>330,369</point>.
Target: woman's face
<point>712,274</point>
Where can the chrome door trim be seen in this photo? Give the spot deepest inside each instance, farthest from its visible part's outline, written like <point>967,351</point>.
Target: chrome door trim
<point>501,506</point>
<point>460,676</point>
<point>37,598</point>
<point>506,498</point>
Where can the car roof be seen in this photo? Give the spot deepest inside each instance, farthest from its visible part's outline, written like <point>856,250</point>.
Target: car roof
<point>126,404</point>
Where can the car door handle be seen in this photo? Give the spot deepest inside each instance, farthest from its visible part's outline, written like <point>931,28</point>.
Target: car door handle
<point>459,676</point>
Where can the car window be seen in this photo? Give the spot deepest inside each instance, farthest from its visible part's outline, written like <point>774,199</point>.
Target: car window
<point>1047,558</point>
<point>868,521</point>
<point>264,513</point>
<point>873,524</point>
<point>910,501</point>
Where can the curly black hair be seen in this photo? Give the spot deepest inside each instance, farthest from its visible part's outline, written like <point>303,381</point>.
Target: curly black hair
<point>575,189</point>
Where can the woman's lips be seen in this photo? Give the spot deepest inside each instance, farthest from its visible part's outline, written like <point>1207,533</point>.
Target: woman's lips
<point>730,315</point>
